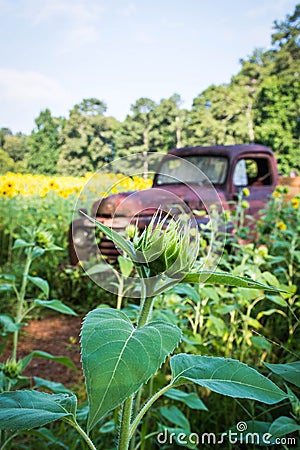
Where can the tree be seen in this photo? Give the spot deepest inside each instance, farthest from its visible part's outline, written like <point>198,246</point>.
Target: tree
<point>169,121</point>
<point>44,144</point>
<point>151,127</point>
<point>287,38</point>
<point>277,120</point>
<point>135,134</point>
<point>219,116</point>
<point>249,78</point>
<point>13,149</point>
<point>16,147</point>
<point>91,107</point>
<point>277,115</point>
<point>4,132</point>
<point>6,163</point>
<point>87,139</point>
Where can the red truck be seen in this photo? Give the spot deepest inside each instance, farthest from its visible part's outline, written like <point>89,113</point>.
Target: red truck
<point>186,174</point>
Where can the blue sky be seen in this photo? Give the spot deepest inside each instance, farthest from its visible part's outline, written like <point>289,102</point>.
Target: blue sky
<point>54,53</point>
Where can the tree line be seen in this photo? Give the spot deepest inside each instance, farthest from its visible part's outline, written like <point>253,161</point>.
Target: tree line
<point>261,104</point>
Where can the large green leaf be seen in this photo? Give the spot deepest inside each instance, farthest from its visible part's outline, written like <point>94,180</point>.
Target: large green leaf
<point>118,358</point>
<point>209,277</point>
<point>8,324</point>
<point>5,287</point>
<point>52,386</point>
<point>10,282</point>
<point>283,425</point>
<point>48,435</point>
<point>289,372</point>
<point>174,415</point>
<point>23,410</point>
<point>126,265</point>
<point>64,360</point>
<point>41,284</point>
<point>225,376</point>
<point>56,305</point>
<point>188,291</point>
<point>19,243</point>
<point>189,398</point>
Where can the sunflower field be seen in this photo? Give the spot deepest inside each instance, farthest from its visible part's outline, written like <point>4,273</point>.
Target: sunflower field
<point>50,202</point>
<point>241,323</point>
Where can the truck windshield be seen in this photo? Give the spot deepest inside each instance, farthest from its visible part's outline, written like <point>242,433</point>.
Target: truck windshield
<point>174,170</point>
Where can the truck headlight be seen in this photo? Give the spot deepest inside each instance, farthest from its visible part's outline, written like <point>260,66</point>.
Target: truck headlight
<point>81,237</point>
<point>116,222</point>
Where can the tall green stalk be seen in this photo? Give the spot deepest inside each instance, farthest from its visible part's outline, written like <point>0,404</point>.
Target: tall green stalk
<point>20,299</point>
<point>125,419</point>
<point>78,428</point>
<point>125,424</point>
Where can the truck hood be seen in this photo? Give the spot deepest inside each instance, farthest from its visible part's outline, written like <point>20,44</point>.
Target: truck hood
<point>146,202</point>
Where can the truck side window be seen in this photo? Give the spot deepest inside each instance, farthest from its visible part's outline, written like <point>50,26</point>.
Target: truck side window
<point>252,172</point>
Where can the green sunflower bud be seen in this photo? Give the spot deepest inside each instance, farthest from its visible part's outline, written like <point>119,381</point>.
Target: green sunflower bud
<point>245,204</point>
<point>12,369</point>
<point>165,247</point>
<point>131,231</point>
<point>43,239</point>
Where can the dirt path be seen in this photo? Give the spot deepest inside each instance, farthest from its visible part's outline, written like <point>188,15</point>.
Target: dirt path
<point>55,334</point>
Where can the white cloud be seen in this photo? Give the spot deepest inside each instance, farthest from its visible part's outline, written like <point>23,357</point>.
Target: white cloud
<point>29,86</point>
<point>23,94</point>
<point>80,19</point>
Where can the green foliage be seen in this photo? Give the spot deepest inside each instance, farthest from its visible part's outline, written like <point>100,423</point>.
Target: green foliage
<point>44,355</point>
<point>225,376</point>
<point>119,358</point>
<point>279,230</point>
<point>253,320</point>
<point>219,115</point>
<point>227,279</point>
<point>289,372</point>
<point>6,163</point>
<point>87,139</point>
<point>56,305</point>
<point>126,357</point>
<point>44,144</point>
<point>189,398</point>
<point>23,410</point>
<point>276,119</point>
<point>10,372</point>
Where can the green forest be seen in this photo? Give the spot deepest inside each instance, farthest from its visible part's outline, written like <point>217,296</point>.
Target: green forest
<point>260,104</point>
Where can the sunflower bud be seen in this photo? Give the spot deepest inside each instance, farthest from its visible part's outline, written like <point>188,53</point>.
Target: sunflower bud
<point>245,204</point>
<point>131,231</point>
<point>165,247</point>
<point>281,225</point>
<point>246,192</point>
<point>12,369</point>
<point>43,239</point>
<point>295,202</point>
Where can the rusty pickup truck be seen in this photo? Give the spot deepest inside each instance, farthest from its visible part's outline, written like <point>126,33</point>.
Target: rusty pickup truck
<point>187,174</point>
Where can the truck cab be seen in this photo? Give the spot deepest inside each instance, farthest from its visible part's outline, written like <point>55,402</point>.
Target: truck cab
<point>197,176</point>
